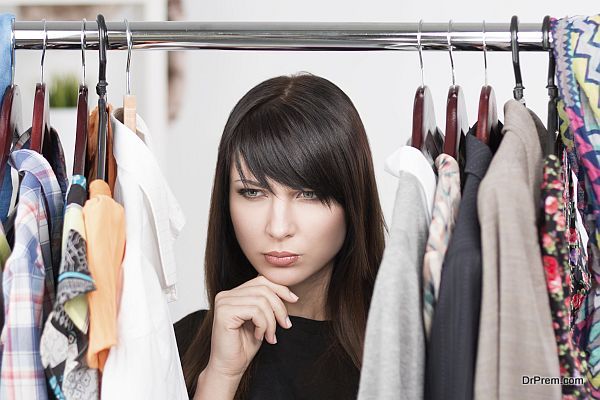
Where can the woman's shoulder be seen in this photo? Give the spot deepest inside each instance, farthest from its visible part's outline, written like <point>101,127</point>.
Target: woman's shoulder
<point>186,328</point>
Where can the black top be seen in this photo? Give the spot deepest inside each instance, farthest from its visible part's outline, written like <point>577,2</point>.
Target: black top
<point>293,368</point>
<point>452,347</point>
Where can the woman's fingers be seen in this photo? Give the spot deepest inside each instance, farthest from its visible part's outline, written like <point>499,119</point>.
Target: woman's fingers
<point>282,291</point>
<point>251,308</point>
<point>267,292</point>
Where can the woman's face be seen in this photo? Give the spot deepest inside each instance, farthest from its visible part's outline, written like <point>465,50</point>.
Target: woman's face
<point>287,220</point>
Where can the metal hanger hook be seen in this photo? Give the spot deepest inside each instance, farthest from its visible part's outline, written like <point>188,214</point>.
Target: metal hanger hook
<point>485,56</point>
<point>45,43</point>
<point>83,46</point>
<point>13,43</point>
<point>129,47</point>
<point>420,48</point>
<point>450,51</point>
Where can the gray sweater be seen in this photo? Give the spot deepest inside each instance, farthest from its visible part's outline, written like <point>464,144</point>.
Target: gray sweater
<point>394,352</point>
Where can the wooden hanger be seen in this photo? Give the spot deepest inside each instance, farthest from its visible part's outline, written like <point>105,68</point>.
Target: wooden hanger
<point>82,116</point>
<point>40,125</point>
<point>487,116</point>
<point>129,100</point>
<point>11,123</point>
<point>457,124</point>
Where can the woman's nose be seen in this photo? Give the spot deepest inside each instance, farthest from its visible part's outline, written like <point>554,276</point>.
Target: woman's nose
<point>280,223</point>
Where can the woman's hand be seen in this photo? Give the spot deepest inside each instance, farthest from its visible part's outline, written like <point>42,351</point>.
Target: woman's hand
<point>243,317</point>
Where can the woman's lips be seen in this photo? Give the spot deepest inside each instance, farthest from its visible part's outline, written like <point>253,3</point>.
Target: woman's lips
<point>281,261</point>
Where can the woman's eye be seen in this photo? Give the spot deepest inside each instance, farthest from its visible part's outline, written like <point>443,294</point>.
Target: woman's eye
<point>250,193</point>
<point>308,195</point>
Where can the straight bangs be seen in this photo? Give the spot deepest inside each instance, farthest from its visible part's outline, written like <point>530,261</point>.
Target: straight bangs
<point>279,143</point>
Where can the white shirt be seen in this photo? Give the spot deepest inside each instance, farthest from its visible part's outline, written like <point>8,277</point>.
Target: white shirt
<point>412,160</point>
<point>145,363</point>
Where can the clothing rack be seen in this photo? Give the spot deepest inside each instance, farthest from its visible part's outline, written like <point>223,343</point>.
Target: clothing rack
<point>354,36</point>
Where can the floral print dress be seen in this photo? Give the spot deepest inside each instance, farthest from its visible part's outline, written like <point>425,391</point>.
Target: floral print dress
<point>555,255</point>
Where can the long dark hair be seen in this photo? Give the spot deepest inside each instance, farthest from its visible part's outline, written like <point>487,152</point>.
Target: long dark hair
<point>301,131</point>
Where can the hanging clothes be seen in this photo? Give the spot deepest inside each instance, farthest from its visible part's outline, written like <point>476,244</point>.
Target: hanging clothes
<point>8,197</point>
<point>515,331</point>
<point>5,77</point>
<point>91,164</point>
<point>105,232</point>
<point>554,246</point>
<point>5,52</point>
<point>445,209</point>
<point>452,348</point>
<point>394,351</point>
<point>136,366</point>
<point>64,341</point>
<point>577,67</point>
<point>27,279</point>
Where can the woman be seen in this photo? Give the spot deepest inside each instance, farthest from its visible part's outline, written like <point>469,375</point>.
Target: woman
<point>295,231</point>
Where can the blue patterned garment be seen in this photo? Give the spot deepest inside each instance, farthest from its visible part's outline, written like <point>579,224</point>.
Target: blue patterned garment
<point>577,54</point>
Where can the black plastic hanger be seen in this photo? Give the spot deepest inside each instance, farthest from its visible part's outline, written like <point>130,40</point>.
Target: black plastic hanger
<point>40,123</point>
<point>11,114</point>
<point>514,46</point>
<point>556,141</point>
<point>426,136</point>
<point>457,124</point>
<point>82,116</point>
<point>487,116</point>
<point>101,91</point>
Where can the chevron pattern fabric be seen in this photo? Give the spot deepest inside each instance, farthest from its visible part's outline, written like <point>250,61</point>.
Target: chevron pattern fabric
<point>577,54</point>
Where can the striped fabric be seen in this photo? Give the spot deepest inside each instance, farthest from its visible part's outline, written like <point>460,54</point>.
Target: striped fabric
<point>27,279</point>
<point>577,53</point>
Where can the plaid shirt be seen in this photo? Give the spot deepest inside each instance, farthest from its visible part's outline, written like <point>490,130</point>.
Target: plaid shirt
<point>27,279</point>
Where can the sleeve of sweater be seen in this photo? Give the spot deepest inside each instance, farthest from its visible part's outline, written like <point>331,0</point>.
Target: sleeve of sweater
<point>394,353</point>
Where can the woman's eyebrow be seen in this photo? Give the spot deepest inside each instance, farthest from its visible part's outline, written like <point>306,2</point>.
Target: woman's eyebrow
<point>250,182</point>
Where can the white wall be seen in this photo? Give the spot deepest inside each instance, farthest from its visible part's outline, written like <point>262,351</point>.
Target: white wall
<point>381,85</point>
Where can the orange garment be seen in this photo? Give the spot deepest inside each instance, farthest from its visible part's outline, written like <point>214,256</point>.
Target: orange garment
<point>105,231</point>
<point>91,157</point>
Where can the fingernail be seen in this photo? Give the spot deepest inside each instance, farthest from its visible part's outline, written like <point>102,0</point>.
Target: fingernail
<point>288,322</point>
<point>274,339</point>
<point>293,296</point>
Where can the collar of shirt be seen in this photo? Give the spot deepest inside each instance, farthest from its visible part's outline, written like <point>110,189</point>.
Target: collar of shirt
<point>34,163</point>
<point>132,151</point>
<point>411,160</point>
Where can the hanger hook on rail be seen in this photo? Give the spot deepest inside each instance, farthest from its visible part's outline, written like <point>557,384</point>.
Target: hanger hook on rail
<point>129,48</point>
<point>450,51</point>
<point>485,66</point>
<point>83,46</point>
<point>514,45</point>
<point>45,43</point>
<point>420,48</point>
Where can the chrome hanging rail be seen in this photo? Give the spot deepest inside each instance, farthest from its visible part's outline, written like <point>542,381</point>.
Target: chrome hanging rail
<point>354,36</point>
